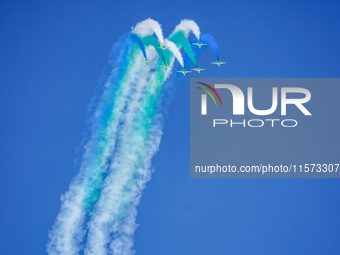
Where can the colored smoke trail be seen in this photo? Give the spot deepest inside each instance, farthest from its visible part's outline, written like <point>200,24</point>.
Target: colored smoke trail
<point>122,190</point>
<point>98,211</point>
<point>136,38</point>
<point>149,27</point>
<point>152,41</point>
<point>175,51</point>
<point>181,40</point>
<point>188,26</point>
<point>68,230</point>
<point>212,43</point>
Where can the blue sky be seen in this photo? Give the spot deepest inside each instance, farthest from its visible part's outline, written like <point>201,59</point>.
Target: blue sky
<point>52,55</point>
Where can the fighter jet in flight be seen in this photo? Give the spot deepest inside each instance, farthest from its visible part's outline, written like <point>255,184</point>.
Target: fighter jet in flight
<point>147,61</point>
<point>184,72</point>
<point>219,63</point>
<point>197,69</point>
<point>166,67</point>
<point>164,48</point>
<point>199,44</point>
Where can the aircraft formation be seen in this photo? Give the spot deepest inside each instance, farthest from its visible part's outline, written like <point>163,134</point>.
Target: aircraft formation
<point>184,71</point>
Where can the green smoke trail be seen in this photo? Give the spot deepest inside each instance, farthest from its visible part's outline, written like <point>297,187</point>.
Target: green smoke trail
<point>130,179</point>
<point>181,41</point>
<point>147,118</point>
<point>98,160</point>
<point>120,188</point>
<point>153,41</point>
<point>130,159</point>
<point>84,190</point>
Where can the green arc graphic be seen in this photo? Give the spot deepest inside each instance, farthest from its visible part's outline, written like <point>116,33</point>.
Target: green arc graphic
<point>208,94</point>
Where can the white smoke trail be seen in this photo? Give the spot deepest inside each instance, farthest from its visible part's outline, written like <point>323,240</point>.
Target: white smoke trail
<point>120,189</point>
<point>174,50</point>
<point>115,212</point>
<point>124,243</point>
<point>130,140</point>
<point>188,26</point>
<point>68,232</point>
<point>122,194</point>
<point>149,27</point>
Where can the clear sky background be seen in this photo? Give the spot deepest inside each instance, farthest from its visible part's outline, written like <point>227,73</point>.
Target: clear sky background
<point>52,54</point>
